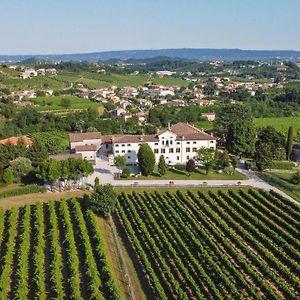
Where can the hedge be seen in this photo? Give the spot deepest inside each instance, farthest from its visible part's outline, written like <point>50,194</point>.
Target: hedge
<point>27,189</point>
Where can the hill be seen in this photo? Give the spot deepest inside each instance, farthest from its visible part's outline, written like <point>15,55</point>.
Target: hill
<point>184,53</point>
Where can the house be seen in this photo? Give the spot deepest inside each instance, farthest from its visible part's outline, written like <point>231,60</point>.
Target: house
<point>14,140</point>
<point>164,73</point>
<point>177,143</point>
<point>28,73</point>
<point>208,116</point>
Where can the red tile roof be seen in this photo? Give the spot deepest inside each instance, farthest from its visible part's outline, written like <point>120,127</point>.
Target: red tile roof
<point>82,148</point>
<point>65,156</point>
<point>81,136</point>
<point>14,140</point>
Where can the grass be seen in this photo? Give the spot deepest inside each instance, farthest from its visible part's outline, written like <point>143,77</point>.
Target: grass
<point>54,103</point>
<point>179,173</point>
<point>281,124</point>
<point>282,181</point>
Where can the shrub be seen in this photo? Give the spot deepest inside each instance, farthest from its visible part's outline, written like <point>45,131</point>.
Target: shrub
<point>8,176</point>
<point>126,172</point>
<point>27,189</point>
<point>282,165</point>
<point>190,166</point>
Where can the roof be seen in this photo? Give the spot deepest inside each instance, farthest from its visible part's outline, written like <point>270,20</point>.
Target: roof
<point>14,140</point>
<point>63,156</point>
<point>81,136</point>
<point>82,148</point>
<point>135,138</point>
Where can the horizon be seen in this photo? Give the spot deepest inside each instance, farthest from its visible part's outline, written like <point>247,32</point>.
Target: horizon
<point>52,27</point>
<point>148,49</point>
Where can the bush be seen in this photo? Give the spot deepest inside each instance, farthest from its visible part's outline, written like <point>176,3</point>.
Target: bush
<point>126,172</point>
<point>103,200</point>
<point>8,176</point>
<point>190,166</point>
<point>27,189</point>
<point>296,178</point>
<point>282,165</point>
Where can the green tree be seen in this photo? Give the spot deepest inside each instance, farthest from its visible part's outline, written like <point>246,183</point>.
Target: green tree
<point>234,162</point>
<point>37,153</point>
<point>162,166</point>
<point>8,176</point>
<point>240,138</point>
<point>190,166</point>
<point>120,161</point>
<point>21,166</point>
<point>103,200</point>
<point>65,103</point>
<point>97,181</point>
<point>222,159</point>
<point>146,159</point>
<point>263,155</point>
<point>289,143</point>
<point>126,172</point>
<point>206,156</point>
<point>296,178</point>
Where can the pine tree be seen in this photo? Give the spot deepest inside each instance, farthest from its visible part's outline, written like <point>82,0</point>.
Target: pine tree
<point>162,166</point>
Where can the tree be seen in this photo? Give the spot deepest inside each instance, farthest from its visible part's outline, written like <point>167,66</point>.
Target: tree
<point>263,155</point>
<point>162,166</point>
<point>190,166</point>
<point>120,161</point>
<point>146,159</point>
<point>37,153</point>
<point>206,156</point>
<point>230,114</point>
<point>240,138</point>
<point>8,176</point>
<point>21,166</point>
<point>126,172</point>
<point>289,143</point>
<point>65,102</point>
<point>103,200</point>
<point>97,181</point>
<point>234,162</point>
<point>222,159</point>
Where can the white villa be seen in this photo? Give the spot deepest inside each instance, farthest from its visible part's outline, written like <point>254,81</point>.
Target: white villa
<point>177,143</point>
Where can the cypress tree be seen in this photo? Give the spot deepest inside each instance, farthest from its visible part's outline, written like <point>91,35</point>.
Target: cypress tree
<point>289,143</point>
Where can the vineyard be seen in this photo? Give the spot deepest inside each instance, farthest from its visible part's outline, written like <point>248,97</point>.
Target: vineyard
<point>53,251</point>
<point>233,244</point>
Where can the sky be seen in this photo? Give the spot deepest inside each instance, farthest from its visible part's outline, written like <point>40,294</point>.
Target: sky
<point>76,26</point>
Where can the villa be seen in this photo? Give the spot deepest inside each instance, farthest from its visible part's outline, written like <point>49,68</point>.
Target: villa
<point>177,143</point>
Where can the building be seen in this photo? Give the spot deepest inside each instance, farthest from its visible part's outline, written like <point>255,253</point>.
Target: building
<point>15,139</point>
<point>177,143</point>
<point>208,116</point>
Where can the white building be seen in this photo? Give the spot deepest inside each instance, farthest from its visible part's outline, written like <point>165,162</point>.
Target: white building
<point>177,144</point>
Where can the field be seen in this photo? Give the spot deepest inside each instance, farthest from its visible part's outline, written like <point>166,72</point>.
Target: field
<point>53,251</point>
<point>54,103</point>
<point>235,244</point>
<point>281,124</point>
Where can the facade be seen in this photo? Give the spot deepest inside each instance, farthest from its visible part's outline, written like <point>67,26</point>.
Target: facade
<point>177,144</point>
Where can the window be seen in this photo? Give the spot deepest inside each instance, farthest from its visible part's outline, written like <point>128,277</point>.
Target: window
<point>128,157</point>
<point>123,145</point>
<point>194,142</point>
<point>91,156</point>
<point>156,144</point>
<point>187,149</point>
<point>155,150</point>
<point>177,150</point>
<point>117,145</point>
<point>171,142</point>
<point>128,145</point>
<point>194,149</point>
<point>129,151</point>
<point>117,151</point>
<point>177,143</point>
<point>139,144</point>
<point>212,147</point>
<point>211,142</point>
<point>163,151</point>
<point>178,157</point>
<point>106,145</point>
<point>188,142</point>
<point>171,150</point>
<point>123,151</point>
<point>163,142</point>
<point>187,158</point>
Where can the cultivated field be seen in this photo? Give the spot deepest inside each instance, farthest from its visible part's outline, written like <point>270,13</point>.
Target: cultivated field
<point>234,244</point>
<point>281,124</point>
<point>53,251</point>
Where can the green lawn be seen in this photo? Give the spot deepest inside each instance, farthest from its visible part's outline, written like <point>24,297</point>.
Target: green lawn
<point>54,103</point>
<point>179,173</point>
<point>281,124</point>
<point>282,181</point>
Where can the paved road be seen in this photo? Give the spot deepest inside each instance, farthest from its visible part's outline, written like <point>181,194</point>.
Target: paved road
<point>105,172</point>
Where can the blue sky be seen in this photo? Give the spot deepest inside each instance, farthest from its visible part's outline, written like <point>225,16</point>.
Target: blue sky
<point>72,26</point>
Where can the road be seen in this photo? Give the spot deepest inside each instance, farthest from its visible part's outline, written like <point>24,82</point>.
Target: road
<point>105,173</point>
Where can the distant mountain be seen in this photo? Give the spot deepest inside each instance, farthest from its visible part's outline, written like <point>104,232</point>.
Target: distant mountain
<point>185,53</point>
